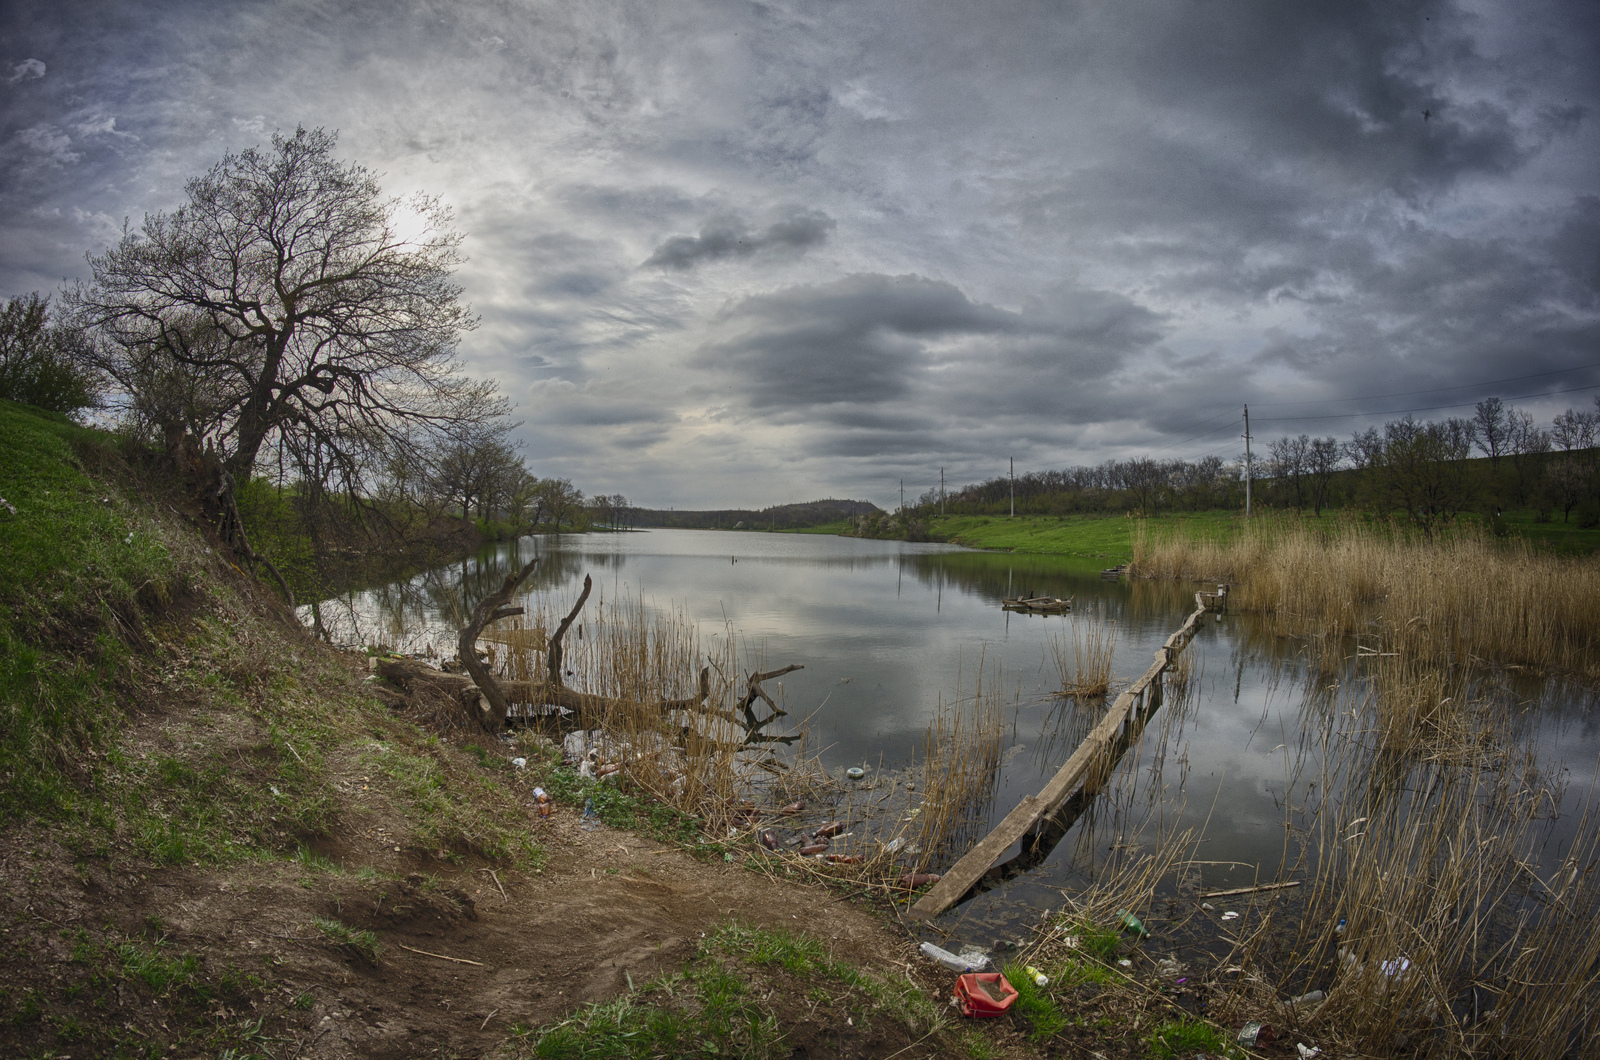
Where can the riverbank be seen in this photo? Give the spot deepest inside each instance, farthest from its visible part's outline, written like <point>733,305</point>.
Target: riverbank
<point>218,838</point>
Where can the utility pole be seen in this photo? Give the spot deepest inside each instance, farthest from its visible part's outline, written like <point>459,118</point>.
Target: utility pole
<point>941,491</point>
<point>1013,487</point>
<point>1247,461</point>
<point>902,496</point>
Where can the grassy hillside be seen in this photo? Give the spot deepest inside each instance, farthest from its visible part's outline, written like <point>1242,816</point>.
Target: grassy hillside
<point>220,838</point>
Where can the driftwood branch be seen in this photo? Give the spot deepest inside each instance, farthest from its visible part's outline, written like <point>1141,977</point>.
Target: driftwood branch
<point>553,655</point>
<point>754,691</point>
<point>493,706</point>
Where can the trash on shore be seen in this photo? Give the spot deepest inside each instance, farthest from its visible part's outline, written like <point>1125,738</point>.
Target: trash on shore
<point>832,828</point>
<point>984,995</point>
<point>1257,1033</point>
<point>793,808</point>
<point>520,763</point>
<point>1132,924</point>
<point>814,848</point>
<point>912,880</point>
<point>1230,915</point>
<point>973,961</point>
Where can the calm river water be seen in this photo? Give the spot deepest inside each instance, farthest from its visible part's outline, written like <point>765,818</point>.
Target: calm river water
<point>885,629</point>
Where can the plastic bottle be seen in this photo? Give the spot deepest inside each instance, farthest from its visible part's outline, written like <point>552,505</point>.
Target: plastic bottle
<point>967,962</point>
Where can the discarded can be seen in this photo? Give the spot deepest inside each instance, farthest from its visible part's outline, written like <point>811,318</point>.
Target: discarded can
<point>833,828</point>
<point>984,994</point>
<point>1257,1033</point>
<point>1131,924</point>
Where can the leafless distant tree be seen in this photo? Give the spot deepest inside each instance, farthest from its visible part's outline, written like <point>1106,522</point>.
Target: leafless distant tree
<point>1323,457</point>
<point>1424,470</point>
<point>1526,441</point>
<point>1569,483</point>
<point>288,310</point>
<point>1491,427</point>
<point>1573,429</point>
<point>1287,461</point>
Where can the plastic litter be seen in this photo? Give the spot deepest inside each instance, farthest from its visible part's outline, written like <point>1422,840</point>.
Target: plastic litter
<point>1257,1033</point>
<point>546,804</point>
<point>912,880</point>
<point>1230,915</point>
<point>1208,907</point>
<point>855,772</point>
<point>520,763</point>
<point>832,828</point>
<point>1396,968</point>
<point>591,819</point>
<point>793,808</point>
<point>984,995</point>
<point>1039,978</point>
<point>1306,1051</point>
<point>820,846</point>
<point>1131,924</point>
<point>1124,963</point>
<point>895,845</point>
<point>975,961</point>
<point>1169,967</point>
<point>1309,998</point>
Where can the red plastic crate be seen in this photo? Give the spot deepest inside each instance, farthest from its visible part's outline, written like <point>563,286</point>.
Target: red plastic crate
<point>975,1001</point>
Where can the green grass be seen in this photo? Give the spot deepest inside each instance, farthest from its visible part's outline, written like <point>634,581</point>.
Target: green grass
<point>717,1006</point>
<point>1107,540</point>
<point>454,811</point>
<point>80,566</point>
<point>363,944</point>
<point>1033,1004</point>
<point>1184,1038</point>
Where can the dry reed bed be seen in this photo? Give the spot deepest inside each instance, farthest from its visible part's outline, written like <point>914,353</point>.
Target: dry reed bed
<point>1454,944</point>
<point>1461,596</point>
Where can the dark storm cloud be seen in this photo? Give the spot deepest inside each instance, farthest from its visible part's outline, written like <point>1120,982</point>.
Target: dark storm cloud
<point>878,356</point>
<point>720,240</point>
<point>1057,231</point>
<point>856,340</point>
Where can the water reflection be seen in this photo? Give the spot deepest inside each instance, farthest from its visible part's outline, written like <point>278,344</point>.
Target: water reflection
<point>886,628</point>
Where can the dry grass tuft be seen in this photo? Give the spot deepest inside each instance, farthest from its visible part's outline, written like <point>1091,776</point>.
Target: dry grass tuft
<point>1083,657</point>
<point>961,761</point>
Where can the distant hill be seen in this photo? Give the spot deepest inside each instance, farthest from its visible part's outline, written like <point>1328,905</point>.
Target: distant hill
<point>778,517</point>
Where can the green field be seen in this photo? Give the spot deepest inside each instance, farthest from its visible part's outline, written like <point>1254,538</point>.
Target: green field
<point>1110,538</point>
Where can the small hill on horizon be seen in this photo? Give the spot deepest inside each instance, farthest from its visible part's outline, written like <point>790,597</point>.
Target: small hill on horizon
<point>778,517</point>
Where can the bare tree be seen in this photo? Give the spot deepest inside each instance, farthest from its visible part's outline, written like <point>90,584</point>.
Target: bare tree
<point>1569,483</point>
<point>1573,430</point>
<point>1287,460</point>
<point>296,310</point>
<point>1424,468</point>
<point>1323,457</point>
<point>1491,428</point>
<point>1525,442</point>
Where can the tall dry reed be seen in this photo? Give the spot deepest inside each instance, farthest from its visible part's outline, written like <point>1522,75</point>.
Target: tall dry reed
<point>700,761</point>
<point>1083,656</point>
<point>961,762</point>
<point>1463,596</point>
<point>1425,818</point>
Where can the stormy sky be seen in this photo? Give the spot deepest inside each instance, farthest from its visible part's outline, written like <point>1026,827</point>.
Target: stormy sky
<point>750,253</point>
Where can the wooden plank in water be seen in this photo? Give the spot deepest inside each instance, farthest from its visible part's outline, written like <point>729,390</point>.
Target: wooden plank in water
<point>964,873</point>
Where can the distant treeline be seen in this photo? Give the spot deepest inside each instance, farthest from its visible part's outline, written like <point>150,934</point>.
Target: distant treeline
<point>1500,458</point>
<point>778,517</point>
